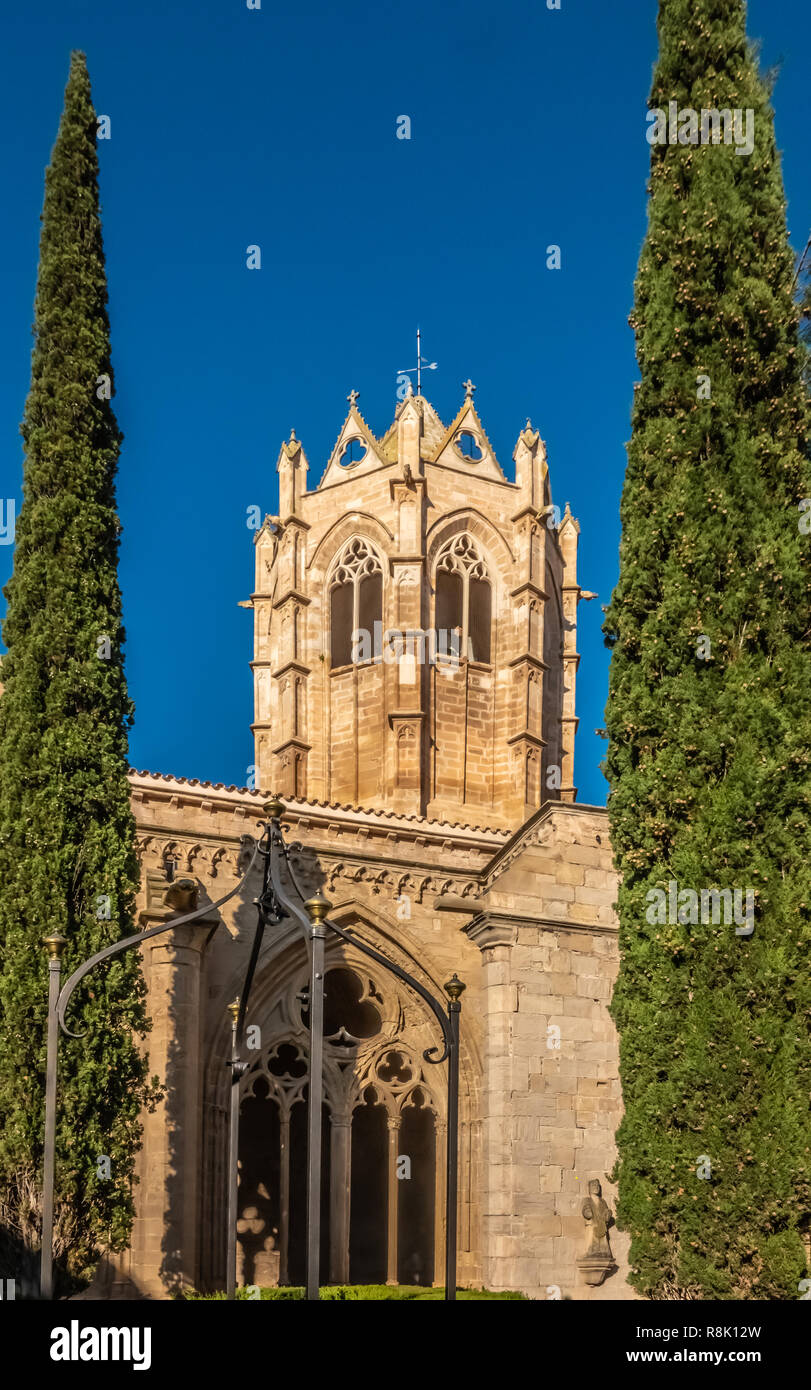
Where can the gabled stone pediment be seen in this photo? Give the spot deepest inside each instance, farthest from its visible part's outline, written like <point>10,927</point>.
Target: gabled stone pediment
<point>448,452</point>
<point>558,865</point>
<point>340,467</point>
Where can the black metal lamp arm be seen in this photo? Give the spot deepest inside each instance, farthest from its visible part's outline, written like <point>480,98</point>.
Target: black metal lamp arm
<point>270,911</point>
<point>436,1008</point>
<point>136,940</point>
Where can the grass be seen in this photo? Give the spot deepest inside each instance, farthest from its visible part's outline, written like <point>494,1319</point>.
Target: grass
<point>352,1293</point>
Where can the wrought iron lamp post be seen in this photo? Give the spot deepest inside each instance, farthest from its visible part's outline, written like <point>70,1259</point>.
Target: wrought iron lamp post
<point>237,1070</point>
<point>317,909</point>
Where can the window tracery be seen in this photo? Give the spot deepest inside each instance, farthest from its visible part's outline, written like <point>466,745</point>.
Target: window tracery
<point>376,1085</point>
<point>363,1045</point>
<point>463,601</point>
<point>356,599</point>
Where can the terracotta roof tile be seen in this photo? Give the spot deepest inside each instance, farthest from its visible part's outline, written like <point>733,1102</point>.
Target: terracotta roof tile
<point>296,802</point>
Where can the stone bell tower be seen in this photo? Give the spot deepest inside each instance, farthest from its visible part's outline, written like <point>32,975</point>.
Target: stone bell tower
<point>415,624</point>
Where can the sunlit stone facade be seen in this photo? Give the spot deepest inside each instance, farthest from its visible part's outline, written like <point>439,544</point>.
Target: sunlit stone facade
<point>414,668</point>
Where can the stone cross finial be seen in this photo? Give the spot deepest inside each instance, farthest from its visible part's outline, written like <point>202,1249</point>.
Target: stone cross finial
<point>469,389</point>
<point>352,398</point>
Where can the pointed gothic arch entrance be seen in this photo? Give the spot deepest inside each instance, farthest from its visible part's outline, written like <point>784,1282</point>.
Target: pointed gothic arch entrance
<point>382,1140</point>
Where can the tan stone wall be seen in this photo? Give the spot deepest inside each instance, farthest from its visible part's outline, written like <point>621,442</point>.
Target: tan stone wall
<point>551,1097</point>
<point>531,932</point>
<point>368,864</point>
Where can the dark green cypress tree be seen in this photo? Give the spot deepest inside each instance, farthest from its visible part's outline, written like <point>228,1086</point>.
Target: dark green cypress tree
<point>709,749</point>
<point>803,282</point>
<point>67,856</point>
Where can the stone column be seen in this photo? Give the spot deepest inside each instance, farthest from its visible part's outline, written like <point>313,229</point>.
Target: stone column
<point>406,686</point>
<point>165,1233</point>
<point>340,1175</point>
<point>394,1141</point>
<point>496,939</point>
<point>440,1189</point>
<point>284,1196</point>
<point>567,534</point>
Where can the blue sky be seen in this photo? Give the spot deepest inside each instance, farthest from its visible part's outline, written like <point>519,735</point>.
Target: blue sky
<point>277,127</point>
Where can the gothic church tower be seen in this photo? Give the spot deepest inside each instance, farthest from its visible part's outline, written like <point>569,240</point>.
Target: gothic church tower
<point>415,625</point>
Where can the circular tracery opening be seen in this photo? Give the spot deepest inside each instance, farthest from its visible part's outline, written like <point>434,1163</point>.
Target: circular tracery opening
<point>468,446</point>
<point>352,1008</point>
<point>354,451</point>
<point>287,1061</point>
<point>395,1069</point>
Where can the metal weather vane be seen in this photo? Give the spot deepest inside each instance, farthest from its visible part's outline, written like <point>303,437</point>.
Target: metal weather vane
<point>421,362</point>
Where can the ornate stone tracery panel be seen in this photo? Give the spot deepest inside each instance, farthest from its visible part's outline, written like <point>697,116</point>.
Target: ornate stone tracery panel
<point>372,1038</point>
<point>461,556</point>
<point>381,1111</point>
<point>356,560</point>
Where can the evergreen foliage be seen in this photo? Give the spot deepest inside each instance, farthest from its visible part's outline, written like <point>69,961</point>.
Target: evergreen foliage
<point>67,855</point>
<point>803,280</point>
<point>708,758</point>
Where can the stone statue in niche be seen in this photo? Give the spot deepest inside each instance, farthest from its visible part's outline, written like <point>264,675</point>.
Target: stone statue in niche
<point>598,1260</point>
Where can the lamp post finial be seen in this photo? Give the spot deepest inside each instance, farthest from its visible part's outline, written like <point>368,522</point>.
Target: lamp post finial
<point>318,907</point>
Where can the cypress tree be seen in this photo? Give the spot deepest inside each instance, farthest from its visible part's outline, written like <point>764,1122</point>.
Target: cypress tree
<point>67,850</point>
<point>709,709</point>
<point>803,281</point>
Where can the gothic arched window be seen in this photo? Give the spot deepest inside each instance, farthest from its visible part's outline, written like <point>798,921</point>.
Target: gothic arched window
<point>356,603</point>
<point>380,1124</point>
<point>463,601</point>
